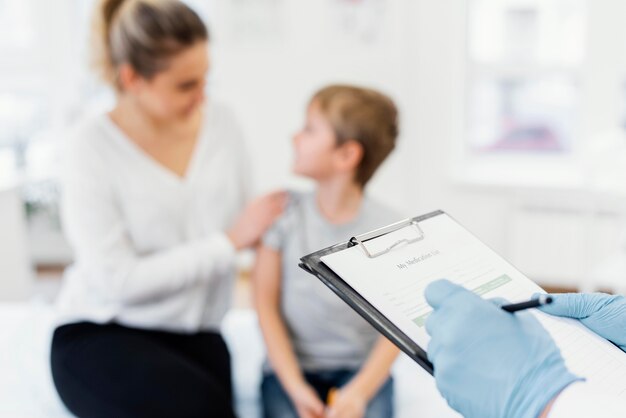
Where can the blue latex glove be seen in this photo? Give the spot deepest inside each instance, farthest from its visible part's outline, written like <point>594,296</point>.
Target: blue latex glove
<point>490,363</point>
<point>603,314</point>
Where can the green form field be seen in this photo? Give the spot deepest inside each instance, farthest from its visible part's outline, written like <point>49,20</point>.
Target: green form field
<point>491,285</point>
<point>421,320</point>
<point>480,290</point>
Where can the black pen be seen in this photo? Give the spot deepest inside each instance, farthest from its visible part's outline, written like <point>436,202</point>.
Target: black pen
<point>533,303</point>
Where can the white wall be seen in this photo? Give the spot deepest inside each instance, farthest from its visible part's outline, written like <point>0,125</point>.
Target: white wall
<point>270,84</point>
<point>421,62</point>
<point>270,57</point>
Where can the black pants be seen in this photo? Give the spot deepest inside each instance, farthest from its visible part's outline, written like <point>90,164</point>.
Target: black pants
<point>114,371</point>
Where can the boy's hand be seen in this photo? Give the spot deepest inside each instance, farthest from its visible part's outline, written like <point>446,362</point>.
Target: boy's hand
<point>348,403</point>
<point>307,403</point>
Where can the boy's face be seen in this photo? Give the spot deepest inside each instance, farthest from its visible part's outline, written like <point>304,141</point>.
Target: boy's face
<point>315,146</point>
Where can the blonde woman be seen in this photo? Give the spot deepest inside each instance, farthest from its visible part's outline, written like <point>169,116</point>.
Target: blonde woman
<point>154,206</point>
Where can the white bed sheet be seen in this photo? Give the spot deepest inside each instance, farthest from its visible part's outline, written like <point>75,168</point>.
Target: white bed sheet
<point>26,388</point>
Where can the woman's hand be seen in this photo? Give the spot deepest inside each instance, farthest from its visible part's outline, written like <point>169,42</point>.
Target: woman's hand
<point>256,218</point>
<point>348,403</point>
<point>306,401</point>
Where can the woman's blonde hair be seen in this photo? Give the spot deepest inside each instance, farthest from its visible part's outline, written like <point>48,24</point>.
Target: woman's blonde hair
<point>142,33</point>
<point>362,115</point>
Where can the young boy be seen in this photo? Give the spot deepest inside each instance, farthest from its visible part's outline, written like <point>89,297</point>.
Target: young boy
<point>318,348</point>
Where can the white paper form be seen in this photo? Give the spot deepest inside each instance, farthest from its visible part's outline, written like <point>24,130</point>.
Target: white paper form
<point>394,284</point>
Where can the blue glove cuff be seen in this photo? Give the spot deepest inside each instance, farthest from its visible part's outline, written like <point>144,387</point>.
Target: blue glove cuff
<point>538,387</point>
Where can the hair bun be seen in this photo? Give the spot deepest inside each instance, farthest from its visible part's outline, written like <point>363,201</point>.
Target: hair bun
<point>109,8</point>
<point>142,33</point>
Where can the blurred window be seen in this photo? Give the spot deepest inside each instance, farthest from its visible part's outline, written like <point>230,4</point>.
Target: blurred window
<point>524,89</point>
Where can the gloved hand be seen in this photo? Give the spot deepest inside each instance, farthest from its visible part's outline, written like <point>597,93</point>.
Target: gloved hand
<point>490,363</point>
<point>603,314</point>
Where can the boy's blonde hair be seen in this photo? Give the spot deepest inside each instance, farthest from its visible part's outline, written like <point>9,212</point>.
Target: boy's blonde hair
<point>363,115</point>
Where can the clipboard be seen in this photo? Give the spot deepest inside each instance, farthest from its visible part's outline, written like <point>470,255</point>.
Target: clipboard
<point>469,262</point>
<point>312,264</point>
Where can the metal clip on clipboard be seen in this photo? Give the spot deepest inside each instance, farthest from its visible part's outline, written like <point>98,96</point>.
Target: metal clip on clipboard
<point>362,239</point>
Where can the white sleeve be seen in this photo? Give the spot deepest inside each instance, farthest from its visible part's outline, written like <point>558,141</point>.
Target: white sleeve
<point>578,401</point>
<point>95,228</point>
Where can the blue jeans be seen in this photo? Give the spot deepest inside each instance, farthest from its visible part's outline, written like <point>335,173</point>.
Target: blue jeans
<point>277,404</point>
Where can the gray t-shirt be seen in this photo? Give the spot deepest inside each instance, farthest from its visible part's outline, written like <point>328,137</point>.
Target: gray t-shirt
<point>325,332</point>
